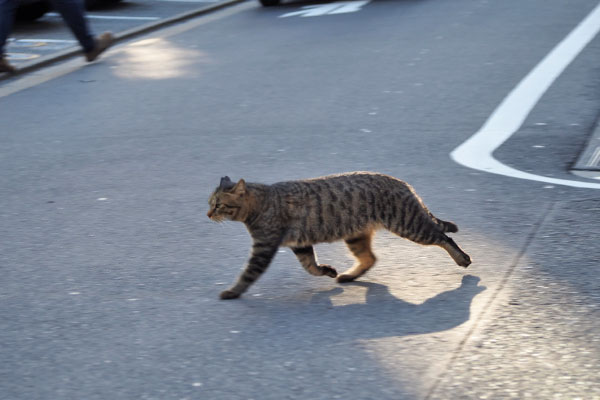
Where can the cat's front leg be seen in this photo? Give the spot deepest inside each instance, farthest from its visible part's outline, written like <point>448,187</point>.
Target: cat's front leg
<point>262,254</point>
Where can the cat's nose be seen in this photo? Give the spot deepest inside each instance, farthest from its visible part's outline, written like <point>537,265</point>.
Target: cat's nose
<point>209,213</point>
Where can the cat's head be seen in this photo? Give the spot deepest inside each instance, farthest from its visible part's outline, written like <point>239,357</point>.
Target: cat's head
<point>229,201</point>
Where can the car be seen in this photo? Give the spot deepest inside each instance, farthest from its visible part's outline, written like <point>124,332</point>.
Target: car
<point>91,4</point>
<point>30,10</point>
<point>269,3</point>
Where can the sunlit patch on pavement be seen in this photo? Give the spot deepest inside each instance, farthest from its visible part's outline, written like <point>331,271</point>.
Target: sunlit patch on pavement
<point>415,309</point>
<point>157,58</point>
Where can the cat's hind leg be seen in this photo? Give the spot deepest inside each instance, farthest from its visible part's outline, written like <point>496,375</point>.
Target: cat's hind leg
<point>419,226</point>
<point>360,246</point>
<point>460,257</point>
<point>445,242</point>
<point>306,256</point>
<point>437,238</point>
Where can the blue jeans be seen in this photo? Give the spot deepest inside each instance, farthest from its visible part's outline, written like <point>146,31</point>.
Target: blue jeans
<point>7,16</point>
<point>72,12</point>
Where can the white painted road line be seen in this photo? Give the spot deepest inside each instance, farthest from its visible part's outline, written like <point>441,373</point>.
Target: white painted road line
<point>21,56</point>
<point>340,7</point>
<point>508,117</point>
<point>17,48</point>
<point>41,41</point>
<point>122,17</point>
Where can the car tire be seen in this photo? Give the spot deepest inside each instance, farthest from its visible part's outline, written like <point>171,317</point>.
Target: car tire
<point>269,3</point>
<point>31,12</point>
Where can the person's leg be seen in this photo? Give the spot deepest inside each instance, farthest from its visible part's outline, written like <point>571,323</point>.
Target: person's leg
<point>7,16</point>
<point>72,12</point>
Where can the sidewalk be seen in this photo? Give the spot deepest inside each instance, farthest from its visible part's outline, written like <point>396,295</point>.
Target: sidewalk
<point>588,164</point>
<point>75,50</point>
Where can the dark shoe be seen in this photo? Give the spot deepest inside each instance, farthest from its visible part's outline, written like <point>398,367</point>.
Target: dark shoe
<point>103,42</point>
<point>6,67</point>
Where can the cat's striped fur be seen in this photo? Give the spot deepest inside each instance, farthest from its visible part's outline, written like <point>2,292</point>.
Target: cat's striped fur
<point>348,207</point>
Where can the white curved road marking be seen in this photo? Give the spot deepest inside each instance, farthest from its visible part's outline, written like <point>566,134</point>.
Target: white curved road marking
<point>508,117</point>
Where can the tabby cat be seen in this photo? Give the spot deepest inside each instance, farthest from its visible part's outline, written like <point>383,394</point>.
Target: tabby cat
<point>299,214</point>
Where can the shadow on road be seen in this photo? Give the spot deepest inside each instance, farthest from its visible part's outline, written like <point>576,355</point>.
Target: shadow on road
<point>385,315</point>
<point>381,315</point>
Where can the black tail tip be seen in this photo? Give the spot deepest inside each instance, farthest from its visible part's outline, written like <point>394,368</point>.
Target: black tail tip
<point>451,227</point>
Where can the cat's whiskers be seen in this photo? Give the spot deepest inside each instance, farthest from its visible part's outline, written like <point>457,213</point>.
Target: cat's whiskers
<point>218,219</point>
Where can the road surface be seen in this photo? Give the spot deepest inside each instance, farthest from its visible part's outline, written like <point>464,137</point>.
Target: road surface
<point>111,270</point>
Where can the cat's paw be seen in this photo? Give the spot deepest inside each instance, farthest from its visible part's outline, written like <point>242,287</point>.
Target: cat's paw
<point>345,278</point>
<point>229,294</point>
<point>328,270</point>
<point>464,261</point>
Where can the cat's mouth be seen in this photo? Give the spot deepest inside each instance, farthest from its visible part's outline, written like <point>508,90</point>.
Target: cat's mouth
<point>215,218</point>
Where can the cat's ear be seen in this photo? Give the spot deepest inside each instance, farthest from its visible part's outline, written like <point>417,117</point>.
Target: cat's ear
<point>225,183</point>
<point>240,187</point>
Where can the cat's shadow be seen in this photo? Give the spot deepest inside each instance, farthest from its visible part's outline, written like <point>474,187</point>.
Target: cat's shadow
<point>381,315</point>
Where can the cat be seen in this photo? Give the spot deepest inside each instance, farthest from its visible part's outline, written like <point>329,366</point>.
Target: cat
<point>350,206</point>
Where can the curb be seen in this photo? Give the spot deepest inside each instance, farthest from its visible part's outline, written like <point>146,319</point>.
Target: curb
<point>589,159</point>
<point>119,37</point>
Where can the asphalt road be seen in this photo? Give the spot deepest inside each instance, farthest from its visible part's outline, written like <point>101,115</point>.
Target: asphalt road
<point>111,270</point>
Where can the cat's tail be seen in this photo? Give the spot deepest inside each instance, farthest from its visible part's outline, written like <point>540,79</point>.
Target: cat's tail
<point>446,225</point>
